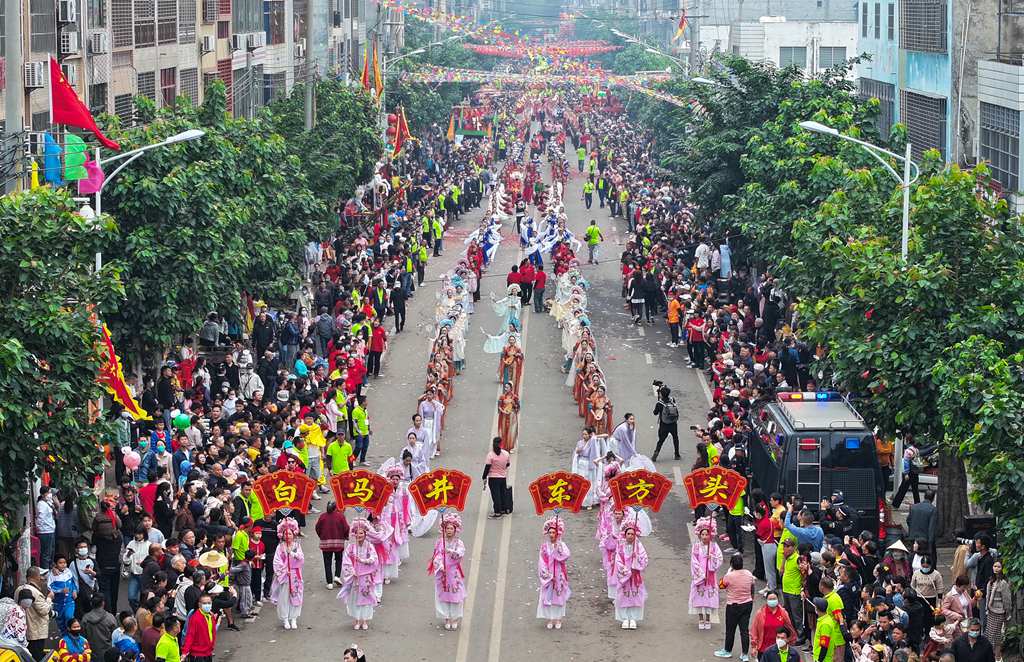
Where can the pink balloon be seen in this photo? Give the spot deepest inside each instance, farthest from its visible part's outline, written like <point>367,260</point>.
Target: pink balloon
<point>132,460</point>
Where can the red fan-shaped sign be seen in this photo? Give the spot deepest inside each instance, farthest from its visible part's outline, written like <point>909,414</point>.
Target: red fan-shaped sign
<point>439,489</point>
<point>284,489</point>
<point>362,489</point>
<point>714,485</point>
<point>559,490</point>
<point>641,489</point>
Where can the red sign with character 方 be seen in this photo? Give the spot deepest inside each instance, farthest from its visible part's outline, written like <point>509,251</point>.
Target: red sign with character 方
<point>639,489</point>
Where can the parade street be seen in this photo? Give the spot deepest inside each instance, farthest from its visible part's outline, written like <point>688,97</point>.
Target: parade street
<point>500,620</point>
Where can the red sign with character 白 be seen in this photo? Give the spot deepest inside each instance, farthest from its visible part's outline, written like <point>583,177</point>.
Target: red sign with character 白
<point>284,489</point>
<point>439,489</point>
<point>639,489</point>
<point>559,490</point>
<point>362,489</point>
<point>714,485</point>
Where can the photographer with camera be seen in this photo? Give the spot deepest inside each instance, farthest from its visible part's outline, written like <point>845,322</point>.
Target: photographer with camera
<point>668,418</point>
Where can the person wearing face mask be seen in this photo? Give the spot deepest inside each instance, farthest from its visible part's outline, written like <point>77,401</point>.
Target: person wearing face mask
<point>779,650</point>
<point>82,567</point>
<point>767,623</point>
<point>201,635</point>
<point>73,647</point>
<point>927,582</point>
<point>973,646</point>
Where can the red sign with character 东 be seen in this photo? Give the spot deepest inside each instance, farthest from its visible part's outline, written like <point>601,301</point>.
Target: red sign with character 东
<point>559,490</point>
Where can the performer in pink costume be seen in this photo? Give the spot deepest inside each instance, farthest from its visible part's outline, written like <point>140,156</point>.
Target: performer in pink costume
<point>551,571</point>
<point>379,534</point>
<point>630,563</point>
<point>286,590</point>
<point>446,567</point>
<point>394,517</point>
<point>705,557</point>
<point>359,564</point>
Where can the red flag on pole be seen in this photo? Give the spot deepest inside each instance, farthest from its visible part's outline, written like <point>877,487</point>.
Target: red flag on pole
<point>67,108</point>
<point>366,68</point>
<point>378,83</point>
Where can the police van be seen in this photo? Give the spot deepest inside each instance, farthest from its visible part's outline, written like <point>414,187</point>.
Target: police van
<point>813,444</point>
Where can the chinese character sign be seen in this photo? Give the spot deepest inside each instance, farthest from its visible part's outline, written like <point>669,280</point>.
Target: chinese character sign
<point>284,489</point>
<point>559,490</point>
<point>640,489</point>
<point>714,485</point>
<point>362,489</point>
<point>440,488</point>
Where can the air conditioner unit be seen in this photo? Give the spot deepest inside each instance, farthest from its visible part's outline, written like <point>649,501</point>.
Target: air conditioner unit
<point>261,39</point>
<point>35,74</point>
<point>207,44</point>
<point>237,42</point>
<point>36,143</point>
<point>70,73</point>
<point>255,40</point>
<point>99,42</point>
<point>67,11</point>
<point>68,43</point>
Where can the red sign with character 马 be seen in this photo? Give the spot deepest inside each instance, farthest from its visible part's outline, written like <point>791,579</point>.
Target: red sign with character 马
<point>362,489</point>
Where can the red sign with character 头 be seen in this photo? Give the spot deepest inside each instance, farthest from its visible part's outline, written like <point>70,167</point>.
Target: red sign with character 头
<point>559,490</point>
<point>284,489</point>
<point>362,489</point>
<point>639,489</point>
<point>714,485</point>
<point>440,489</point>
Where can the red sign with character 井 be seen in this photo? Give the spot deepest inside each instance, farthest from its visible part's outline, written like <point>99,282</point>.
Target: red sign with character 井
<point>439,489</point>
<point>362,489</point>
<point>559,490</point>
<point>284,489</point>
<point>639,489</point>
<point>714,485</point>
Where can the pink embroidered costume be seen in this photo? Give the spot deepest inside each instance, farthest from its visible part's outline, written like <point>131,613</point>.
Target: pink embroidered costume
<point>551,572</point>
<point>286,591</point>
<point>379,534</point>
<point>359,565</point>
<point>446,567</point>
<point>393,516</point>
<point>630,563</point>
<point>705,557</point>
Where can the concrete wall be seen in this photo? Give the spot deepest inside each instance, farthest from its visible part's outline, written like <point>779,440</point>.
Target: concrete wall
<point>884,53</point>
<point>761,41</point>
<point>974,39</point>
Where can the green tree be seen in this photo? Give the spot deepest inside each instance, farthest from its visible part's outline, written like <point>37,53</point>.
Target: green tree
<point>49,360</point>
<point>340,152</point>
<point>199,222</point>
<point>637,57</point>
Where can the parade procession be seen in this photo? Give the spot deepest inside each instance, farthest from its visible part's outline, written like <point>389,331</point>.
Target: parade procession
<point>557,333</point>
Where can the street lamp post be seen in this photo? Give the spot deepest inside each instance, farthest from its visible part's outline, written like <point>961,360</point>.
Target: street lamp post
<point>905,181</point>
<point>388,62</point>
<point>184,136</point>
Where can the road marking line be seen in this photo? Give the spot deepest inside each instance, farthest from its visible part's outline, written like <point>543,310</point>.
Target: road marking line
<point>641,331</point>
<point>678,474</point>
<point>648,358</point>
<point>704,387</point>
<point>462,650</point>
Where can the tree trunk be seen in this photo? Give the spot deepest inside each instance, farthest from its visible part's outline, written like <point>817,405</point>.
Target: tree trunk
<point>952,495</point>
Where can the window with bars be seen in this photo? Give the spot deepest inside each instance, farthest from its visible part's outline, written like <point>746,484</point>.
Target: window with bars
<point>209,11</point>
<point>122,59</point>
<point>224,7</point>
<point>925,118</point>
<point>98,99</point>
<point>868,88</point>
<point>167,21</point>
<point>41,121</point>
<point>878,20</point>
<point>225,74</point>
<point>187,21</point>
<point>892,21</point>
<point>145,23</point>
<point>146,81</point>
<point>122,34</point>
<point>793,56</point>
<point>273,21</point>
<point>168,86</point>
<point>97,13</point>
<point>999,141</point>
<point>223,29</point>
<point>864,20</point>
<point>188,80</point>
<point>43,25</point>
<point>247,16</point>
<point>831,56</point>
<point>124,108</point>
<point>3,38</point>
<point>208,77</point>
<point>923,25</point>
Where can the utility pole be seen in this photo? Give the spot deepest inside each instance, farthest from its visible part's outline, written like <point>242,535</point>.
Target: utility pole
<point>308,55</point>
<point>693,21</point>
<point>14,101</point>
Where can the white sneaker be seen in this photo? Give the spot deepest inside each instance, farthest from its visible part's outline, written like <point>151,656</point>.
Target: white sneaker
<point>295,624</point>
<point>316,496</point>
<point>287,624</point>
<point>330,585</point>
<point>625,625</point>
<point>632,625</point>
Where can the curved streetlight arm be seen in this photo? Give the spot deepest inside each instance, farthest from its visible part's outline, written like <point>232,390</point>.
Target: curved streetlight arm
<point>877,151</point>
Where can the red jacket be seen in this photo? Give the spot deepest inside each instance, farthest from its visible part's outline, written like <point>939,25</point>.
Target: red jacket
<point>526,274</point>
<point>332,529</point>
<point>539,280</point>
<point>378,338</point>
<point>201,637</point>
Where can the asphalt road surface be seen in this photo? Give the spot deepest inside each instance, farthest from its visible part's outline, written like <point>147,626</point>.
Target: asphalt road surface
<point>501,555</point>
